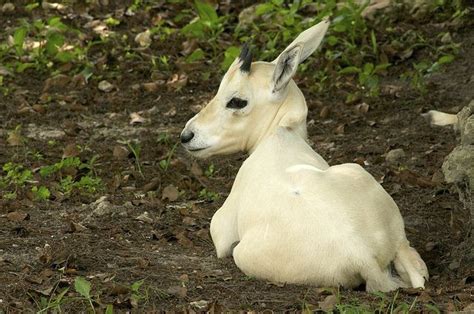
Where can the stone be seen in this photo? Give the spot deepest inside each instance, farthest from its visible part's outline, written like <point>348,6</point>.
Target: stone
<point>459,165</point>
<point>395,156</point>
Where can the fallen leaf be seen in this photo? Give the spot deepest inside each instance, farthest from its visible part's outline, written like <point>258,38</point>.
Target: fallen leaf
<point>171,112</point>
<point>118,289</point>
<point>53,6</point>
<point>178,291</point>
<point>76,227</point>
<point>203,234</point>
<point>34,279</point>
<point>184,240</point>
<point>45,254</point>
<point>152,185</point>
<point>328,304</point>
<point>184,278</point>
<point>45,292</point>
<point>201,305</point>
<point>8,7</point>
<point>170,193</point>
<point>143,38</point>
<point>152,87</point>
<point>374,6</point>
<point>469,308</point>
<point>145,217</point>
<point>196,169</point>
<point>340,129</point>
<point>177,81</point>
<point>18,216</point>
<point>24,109</point>
<point>39,108</point>
<point>362,108</point>
<point>71,150</point>
<point>324,113</point>
<point>135,118</point>
<point>189,221</point>
<point>189,46</point>
<point>59,81</point>
<point>105,86</point>
<point>120,152</point>
<point>15,138</point>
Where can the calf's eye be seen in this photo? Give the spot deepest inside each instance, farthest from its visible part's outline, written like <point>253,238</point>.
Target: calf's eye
<point>236,103</point>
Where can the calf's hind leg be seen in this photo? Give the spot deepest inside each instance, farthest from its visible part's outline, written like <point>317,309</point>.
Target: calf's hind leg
<point>377,279</point>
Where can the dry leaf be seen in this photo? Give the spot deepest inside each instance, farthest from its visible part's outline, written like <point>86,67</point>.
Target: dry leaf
<point>178,291</point>
<point>171,112</point>
<point>362,108</point>
<point>189,221</point>
<point>324,114</point>
<point>53,6</point>
<point>105,86</point>
<point>328,304</point>
<point>71,151</point>
<point>76,227</point>
<point>8,7</point>
<point>196,169</point>
<point>201,305</point>
<point>184,278</point>
<point>374,6</point>
<point>144,38</point>
<point>145,217</point>
<point>14,138</point>
<point>177,81</point>
<point>189,46</point>
<point>135,118</point>
<point>339,129</point>
<point>120,152</point>
<point>39,108</point>
<point>184,240</point>
<point>170,193</point>
<point>152,87</point>
<point>152,185</point>
<point>203,234</point>
<point>34,279</point>
<point>18,216</point>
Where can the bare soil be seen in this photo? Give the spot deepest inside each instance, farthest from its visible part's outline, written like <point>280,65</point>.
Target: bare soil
<point>172,250</point>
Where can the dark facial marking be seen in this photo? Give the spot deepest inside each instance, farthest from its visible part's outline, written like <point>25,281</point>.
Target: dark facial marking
<point>236,103</point>
<point>246,58</point>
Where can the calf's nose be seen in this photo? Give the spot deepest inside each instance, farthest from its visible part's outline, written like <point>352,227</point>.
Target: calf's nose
<point>186,136</point>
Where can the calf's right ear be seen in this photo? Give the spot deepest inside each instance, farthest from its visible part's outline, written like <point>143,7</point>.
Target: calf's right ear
<point>298,51</point>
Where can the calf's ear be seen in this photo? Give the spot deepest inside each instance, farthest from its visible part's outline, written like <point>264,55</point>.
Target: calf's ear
<point>296,52</point>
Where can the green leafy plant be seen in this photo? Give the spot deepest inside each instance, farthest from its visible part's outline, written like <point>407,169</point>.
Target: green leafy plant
<point>41,193</point>
<point>367,76</point>
<point>136,295</point>
<point>83,287</point>
<point>135,149</point>
<point>165,163</point>
<point>208,195</point>
<point>42,43</point>
<point>209,172</point>
<point>45,305</point>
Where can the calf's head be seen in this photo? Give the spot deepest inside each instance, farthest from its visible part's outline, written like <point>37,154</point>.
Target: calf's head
<point>253,99</point>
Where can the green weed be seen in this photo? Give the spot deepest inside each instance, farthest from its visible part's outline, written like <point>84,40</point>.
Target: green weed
<point>209,196</point>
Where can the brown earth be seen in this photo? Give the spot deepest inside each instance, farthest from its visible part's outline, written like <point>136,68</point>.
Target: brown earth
<point>171,249</point>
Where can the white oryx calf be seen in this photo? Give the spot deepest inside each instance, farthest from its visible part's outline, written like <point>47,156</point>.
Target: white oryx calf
<point>290,217</point>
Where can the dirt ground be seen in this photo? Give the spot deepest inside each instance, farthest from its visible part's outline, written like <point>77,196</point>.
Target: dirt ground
<point>112,244</point>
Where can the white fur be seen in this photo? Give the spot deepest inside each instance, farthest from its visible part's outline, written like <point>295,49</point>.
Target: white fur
<point>439,118</point>
<point>295,218</point>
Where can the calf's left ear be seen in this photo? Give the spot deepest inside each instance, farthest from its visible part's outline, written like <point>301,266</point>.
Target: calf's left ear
<point>298,51</point>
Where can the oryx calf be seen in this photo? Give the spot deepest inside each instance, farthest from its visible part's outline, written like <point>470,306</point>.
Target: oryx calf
<point>290,217</point>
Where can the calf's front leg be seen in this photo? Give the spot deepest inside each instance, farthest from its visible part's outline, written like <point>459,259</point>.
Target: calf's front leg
<point>224,228</point>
